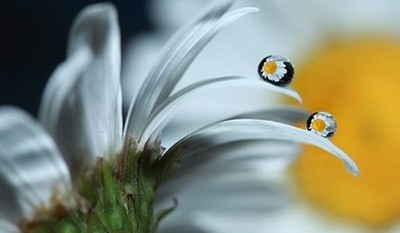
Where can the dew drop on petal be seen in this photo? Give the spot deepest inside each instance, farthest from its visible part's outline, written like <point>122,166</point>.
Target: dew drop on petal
<point>271,66</point>
<point>322,123</point>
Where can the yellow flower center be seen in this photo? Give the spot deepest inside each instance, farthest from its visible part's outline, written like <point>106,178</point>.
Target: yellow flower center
<point>361,79</point>
<point>318,125</point>
<point>270,67</point>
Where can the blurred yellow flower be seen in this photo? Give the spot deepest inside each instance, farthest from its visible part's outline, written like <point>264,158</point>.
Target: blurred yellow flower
<point>357,80</point>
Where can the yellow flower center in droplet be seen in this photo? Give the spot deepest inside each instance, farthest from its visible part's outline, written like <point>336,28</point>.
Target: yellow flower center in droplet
<point>318,125</point>
<point>270,67</point>
<point>361,79</point>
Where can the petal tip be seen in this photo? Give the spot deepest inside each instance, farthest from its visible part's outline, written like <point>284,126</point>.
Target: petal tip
<point>106,9</point>
<point>352,168</point>
<point>296,96</point>
<point>93,25</point>
<point>253,9</point>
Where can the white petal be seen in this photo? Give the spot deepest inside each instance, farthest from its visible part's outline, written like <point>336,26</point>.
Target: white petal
<point>225,21</point>
<point>281,71</point>
<point>31,167</point>
<point>147,46</point>
<point>175,60</point>
<point>7,227</point>
<point>180,43</point>
<point>280,64</point>
<point>249,129</point>
<point>81,105</point>
<point>161,116</point>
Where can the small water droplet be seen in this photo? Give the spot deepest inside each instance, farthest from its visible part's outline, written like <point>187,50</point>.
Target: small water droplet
<point>322,123</point>
<point>276,69</point>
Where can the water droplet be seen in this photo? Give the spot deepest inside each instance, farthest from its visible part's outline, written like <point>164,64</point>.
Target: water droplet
<point>276,69</point>
<point>322,123</point>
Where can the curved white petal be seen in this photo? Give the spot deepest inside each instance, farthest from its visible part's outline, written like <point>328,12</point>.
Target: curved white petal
<point>175,60</point>
<point>141,54</point>
<point>142,106</point>
<point>185,122</point>
<point>161,116</point>
<point>177,72</point>
<point>31,167</point>
<point>243,129</point>
<point>7,227</point>
<point>81,105</point>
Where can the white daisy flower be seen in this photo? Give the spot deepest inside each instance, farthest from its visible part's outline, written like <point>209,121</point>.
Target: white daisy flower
<point>79,171</point>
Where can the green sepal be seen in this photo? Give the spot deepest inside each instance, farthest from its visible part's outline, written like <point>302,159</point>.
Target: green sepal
<point>128,166</point>
<point>114,210</point>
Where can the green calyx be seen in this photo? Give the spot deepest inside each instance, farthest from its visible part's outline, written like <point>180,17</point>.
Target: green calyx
<point>116,197</point>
